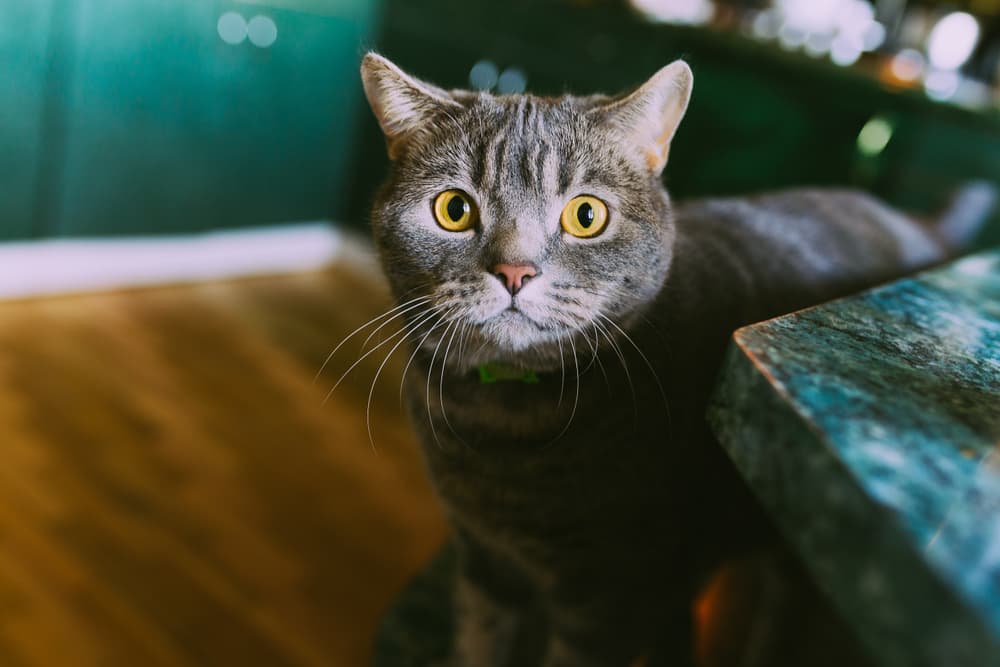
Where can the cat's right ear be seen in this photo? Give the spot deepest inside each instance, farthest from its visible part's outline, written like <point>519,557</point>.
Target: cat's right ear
<point>647,118</point>
<point>403,105</point>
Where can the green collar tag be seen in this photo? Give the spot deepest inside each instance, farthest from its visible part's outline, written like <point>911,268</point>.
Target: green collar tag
<point>490,373</point>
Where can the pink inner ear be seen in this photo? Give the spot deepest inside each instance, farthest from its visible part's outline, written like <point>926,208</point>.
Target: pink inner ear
<point>671,117</point>
<point>657,154</point>
<point>656,157</point>
<point>664,139</point>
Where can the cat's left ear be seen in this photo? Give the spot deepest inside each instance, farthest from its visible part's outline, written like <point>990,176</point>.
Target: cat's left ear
<point>647,118</point>
<point>403,104</point>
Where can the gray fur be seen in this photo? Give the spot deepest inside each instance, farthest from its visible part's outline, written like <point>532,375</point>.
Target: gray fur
<point>592,499</point>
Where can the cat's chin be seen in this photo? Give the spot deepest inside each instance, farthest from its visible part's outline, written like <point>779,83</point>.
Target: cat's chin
<point>514,339</point>
<point>510,332</point>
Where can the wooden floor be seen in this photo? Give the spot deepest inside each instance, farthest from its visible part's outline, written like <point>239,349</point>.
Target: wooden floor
<point>173,491</point>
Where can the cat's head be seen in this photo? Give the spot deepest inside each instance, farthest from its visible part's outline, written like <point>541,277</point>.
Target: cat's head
<point>523,220</point>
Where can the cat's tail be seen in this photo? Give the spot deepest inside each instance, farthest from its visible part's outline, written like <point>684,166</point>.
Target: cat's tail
<point>969,209</point>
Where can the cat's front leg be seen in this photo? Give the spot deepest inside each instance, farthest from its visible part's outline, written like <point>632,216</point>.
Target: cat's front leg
<point>618,631</point>
<point>593,647</point>
<point>486,630</point>
<point>566,650</point>
<point>492,602</point>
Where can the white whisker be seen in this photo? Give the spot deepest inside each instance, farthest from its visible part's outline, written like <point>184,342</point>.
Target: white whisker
<point>399,314</point>
<point>597,356</point>
<point>576,397</point>
<point>562,375</point>
<point>427,390</point>
<point>656,378</point>
<point>362,327</point>
<point>621,359</point>
<point>359,360</point>
<point>371,392</point>
<point>416,349</point>
<point>444,367</point>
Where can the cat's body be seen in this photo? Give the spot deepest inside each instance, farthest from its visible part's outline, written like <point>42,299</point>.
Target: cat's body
<point>646,507</point>
<point>592,501</point>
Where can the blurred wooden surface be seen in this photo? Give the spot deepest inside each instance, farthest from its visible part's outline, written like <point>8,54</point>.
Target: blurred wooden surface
<point>174,492</point>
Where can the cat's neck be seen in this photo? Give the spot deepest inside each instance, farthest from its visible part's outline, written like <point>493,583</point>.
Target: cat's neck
<point>618,388</point>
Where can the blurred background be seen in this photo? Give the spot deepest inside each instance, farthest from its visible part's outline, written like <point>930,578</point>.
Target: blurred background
<point>122,117</point>
<point>177,485</point>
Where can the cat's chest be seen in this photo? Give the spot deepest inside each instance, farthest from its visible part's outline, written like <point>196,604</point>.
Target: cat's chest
<point>519,456</point>
<point>579,494</point>
<point>553,464</point>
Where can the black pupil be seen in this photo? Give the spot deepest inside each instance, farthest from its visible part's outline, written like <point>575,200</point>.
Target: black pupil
<point>457,207</point>
<point>585,215</point>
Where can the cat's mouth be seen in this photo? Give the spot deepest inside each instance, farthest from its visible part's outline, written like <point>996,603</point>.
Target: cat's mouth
<point>515,334</point>
<point>513,314</point>
<point>510,329</point>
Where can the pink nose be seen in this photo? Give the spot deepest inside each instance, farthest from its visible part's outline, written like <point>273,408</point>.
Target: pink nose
<point>514,276</point>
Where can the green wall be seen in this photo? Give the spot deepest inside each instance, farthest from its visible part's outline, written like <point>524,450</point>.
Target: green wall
<point>135,117</point>
<point>24,42</point>
<point>127,117</point>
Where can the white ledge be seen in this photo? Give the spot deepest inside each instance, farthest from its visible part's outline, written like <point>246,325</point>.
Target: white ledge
<point>34,268</point>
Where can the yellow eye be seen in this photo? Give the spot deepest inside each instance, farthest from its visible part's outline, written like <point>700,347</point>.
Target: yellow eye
<point>584,216</point>
<point>454,210</point>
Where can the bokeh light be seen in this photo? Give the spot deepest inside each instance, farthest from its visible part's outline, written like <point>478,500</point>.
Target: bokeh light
<point>844,29</point>
<point>483,75</point>
<point>262,31</point>
<point>511,81</point>
<point>685,12</point>
<point>874,136</point>
<point>952,40</point>
<point>845,51</point>
<point>232,28</point>
<point>907,65</point>
<point>941,85</point>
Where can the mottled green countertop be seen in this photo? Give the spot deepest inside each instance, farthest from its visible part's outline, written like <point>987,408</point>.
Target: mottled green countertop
<point>870,429</point>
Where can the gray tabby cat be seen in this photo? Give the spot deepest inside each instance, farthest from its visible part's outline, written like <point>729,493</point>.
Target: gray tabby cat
<point>567,324</point>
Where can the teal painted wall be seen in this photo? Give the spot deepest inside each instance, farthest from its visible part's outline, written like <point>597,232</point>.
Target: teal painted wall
<point>136,117</point>
<point>24,42</point>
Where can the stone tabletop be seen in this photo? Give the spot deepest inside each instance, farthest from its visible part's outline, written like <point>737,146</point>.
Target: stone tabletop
<point>870,429</point>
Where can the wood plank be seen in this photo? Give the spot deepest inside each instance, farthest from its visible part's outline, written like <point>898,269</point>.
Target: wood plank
<point>175,491</point>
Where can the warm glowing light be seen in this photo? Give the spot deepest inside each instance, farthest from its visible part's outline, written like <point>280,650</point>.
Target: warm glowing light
<point>952,40</point>
<point>874,136</point>
<point>709,621</point>
<point>907,65</point>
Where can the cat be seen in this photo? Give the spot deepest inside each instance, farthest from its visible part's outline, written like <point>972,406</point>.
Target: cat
<point>567,322</point>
